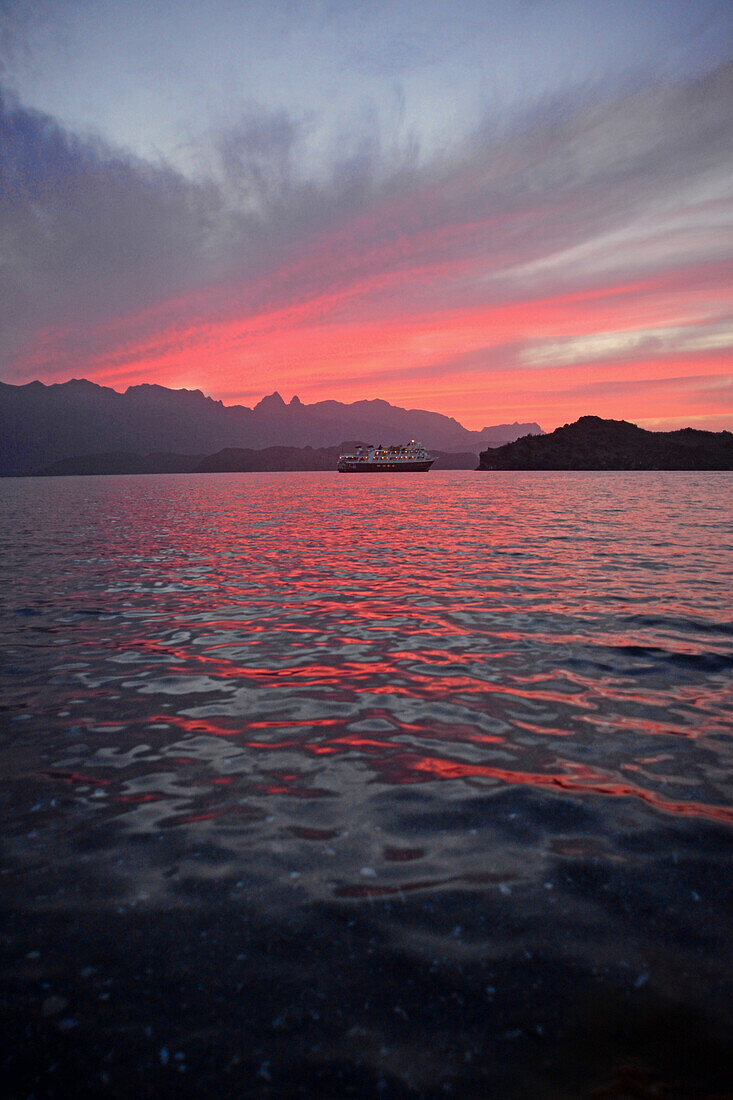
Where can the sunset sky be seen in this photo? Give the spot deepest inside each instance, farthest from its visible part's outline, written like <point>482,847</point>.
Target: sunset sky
<point>496,209</point>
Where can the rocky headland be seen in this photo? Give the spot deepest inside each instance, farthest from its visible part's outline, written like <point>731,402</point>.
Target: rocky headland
<point>592,443</point>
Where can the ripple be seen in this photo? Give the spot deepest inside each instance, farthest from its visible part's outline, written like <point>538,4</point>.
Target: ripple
<point>458,685</point>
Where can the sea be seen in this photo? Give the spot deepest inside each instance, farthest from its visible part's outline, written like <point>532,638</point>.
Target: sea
<point>405,786</point>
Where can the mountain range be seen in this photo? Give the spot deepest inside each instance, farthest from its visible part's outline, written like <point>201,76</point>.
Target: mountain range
<point>42,425</point>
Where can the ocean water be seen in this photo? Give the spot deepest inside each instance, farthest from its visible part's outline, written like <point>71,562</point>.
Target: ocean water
<point>402,786</point>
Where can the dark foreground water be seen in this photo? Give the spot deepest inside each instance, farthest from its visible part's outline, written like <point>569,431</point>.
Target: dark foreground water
<point>400,786</point>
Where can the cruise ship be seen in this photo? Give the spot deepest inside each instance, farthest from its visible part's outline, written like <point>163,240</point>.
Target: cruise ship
<point>410,458</point>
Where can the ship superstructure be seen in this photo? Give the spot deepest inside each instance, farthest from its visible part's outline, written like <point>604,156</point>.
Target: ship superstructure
<point>408,458</point>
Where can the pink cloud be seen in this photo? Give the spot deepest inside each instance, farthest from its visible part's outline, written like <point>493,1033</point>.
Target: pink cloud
<point>466,286</point>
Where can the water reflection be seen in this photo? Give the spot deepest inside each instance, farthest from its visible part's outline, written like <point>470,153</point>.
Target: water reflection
<point>286,639</point>
<point>299,690</point>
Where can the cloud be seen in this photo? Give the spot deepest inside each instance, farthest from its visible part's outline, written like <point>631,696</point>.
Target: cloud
<point>255,159</point>
<point>632,344</point>
<point>18,18</point>
<point>578,231</point>
<point>87,231</point>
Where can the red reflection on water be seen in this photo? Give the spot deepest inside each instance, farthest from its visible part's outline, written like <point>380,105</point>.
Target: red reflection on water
<point>206,725</point>
<point>193,725</point>
<point>655,727</point>
<point>511,610</point>
<point>293,723</point>
<point>294,786</point>
<point>544,731</point>
<point>237,813</point>
<point>585,780</point>
<point>362,742</point>
<point>396,766</point>
<point>76,777</point>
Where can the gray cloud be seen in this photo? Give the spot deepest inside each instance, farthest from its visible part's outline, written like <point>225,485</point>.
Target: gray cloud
<point>17,20</point>
<point>255,158</point>
<point>87,231</point>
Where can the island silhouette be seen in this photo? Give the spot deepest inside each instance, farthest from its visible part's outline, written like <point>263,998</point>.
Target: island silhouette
<point>592,443</point>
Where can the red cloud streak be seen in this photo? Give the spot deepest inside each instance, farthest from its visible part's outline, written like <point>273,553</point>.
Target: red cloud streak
<point>368,336</point>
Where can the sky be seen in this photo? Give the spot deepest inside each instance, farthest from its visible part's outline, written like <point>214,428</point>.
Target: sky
<point>499,210</point>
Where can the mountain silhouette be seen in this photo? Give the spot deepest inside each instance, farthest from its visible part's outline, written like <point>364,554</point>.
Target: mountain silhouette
<point>592,443</point>
<point>42,425</point>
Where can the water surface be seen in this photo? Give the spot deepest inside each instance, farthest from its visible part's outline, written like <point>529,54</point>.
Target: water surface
<point>341,786</point>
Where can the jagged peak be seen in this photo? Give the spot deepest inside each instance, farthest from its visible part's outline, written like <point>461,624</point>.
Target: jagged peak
<point>271,401</point>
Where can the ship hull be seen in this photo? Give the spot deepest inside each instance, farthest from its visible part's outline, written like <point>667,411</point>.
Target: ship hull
<point>385,467</point>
